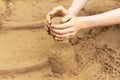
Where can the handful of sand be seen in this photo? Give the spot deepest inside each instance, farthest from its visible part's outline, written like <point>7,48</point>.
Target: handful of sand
<point>57,20</point>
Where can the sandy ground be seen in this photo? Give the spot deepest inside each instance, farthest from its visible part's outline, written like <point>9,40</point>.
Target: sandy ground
<point>27,52</point>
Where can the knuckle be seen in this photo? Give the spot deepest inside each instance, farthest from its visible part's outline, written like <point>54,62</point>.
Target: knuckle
<point>60,7</point>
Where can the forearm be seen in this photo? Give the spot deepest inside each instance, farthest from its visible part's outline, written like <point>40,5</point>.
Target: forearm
<point>76,6</point>
<point>104,19</point>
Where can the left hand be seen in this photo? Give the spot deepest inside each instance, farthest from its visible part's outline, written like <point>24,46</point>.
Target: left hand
<point>56,11</point>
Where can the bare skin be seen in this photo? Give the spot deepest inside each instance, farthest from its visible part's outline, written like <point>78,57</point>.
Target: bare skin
<point>70,28</point>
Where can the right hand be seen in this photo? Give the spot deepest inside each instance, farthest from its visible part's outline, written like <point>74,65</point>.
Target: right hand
<point>57,11</point>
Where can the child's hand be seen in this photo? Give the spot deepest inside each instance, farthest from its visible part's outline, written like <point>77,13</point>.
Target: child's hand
<point>57,11</point>
<point>68,29</point>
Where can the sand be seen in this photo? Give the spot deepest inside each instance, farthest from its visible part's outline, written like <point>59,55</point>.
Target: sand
<point>27,52</point>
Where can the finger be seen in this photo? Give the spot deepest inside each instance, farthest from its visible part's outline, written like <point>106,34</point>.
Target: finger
<point>58,39</point>
<point>50,15</point>
<point>60,10</point>
<point>66,18</point>
<point>63,26</point>
<point>46,25</point>
<point>63,31</point>
<point>57,11</point>
<point>48,18</point>
<point>68,35</point>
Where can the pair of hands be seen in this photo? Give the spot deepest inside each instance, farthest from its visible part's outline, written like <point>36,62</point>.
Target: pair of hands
<point>67,29</point>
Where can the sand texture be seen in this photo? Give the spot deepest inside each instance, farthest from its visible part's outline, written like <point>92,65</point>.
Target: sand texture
<point>28,52</point>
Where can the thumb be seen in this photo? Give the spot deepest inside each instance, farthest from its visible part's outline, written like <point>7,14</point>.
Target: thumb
<point>66,18</point>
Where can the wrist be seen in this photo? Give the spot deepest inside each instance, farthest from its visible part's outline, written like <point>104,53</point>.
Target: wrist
<point>87,22</point>
<point>82,23</point>
<point>71,13</point>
